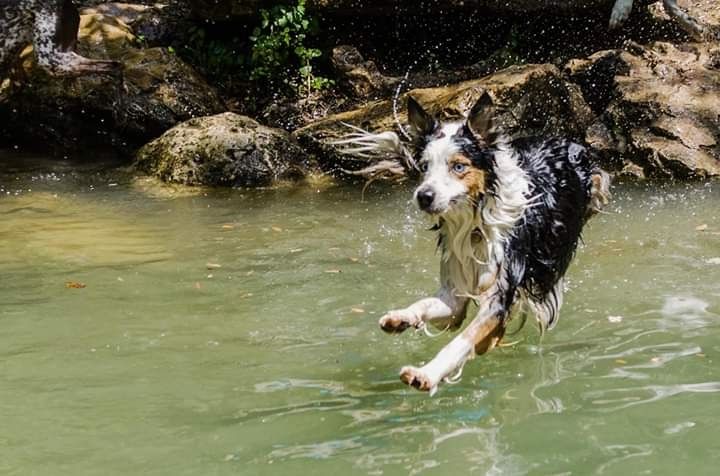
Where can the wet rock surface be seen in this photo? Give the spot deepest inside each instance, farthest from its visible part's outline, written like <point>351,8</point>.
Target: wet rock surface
<point>362,76</point>
<point>532,100</point>
<point>155,91</point>
<point>658,106</point>
<point>227,150</point>
<point>153,23</point>
<point>650,110</point>
<point>704,13</point>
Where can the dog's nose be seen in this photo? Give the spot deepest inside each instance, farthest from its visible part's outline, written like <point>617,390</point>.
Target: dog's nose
<point>425,198</point>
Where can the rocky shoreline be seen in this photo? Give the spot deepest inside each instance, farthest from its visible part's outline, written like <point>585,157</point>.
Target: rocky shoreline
<point>650,109</point>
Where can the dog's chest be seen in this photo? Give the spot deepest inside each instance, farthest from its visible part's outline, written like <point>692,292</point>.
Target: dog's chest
<point>464,262</point>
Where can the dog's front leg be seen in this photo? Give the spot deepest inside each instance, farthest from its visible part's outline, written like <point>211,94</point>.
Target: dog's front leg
<point>441,309</point>
<point>483,333</point>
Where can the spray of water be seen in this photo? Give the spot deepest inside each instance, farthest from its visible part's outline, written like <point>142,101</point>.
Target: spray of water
<point>396,99</point>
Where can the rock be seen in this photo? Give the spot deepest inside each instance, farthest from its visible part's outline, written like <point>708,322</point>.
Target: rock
<point>226,149</point>
<point>705,14</point>
<point>532,100</point>
<point>152,23</point>
<point>658,105</point>
<point>157,90</point>
<point>363,77</point>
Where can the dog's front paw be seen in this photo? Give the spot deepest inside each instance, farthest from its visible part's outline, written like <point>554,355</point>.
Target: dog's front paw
<point>415,377</point>
<point>398,321</point>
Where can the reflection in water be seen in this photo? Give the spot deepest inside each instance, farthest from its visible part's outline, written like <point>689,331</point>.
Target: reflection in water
<point>627,397</point>
<point>234,332</point>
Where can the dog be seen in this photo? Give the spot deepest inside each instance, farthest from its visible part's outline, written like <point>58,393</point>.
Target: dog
<point>508,213</point>
<point>52,27</point>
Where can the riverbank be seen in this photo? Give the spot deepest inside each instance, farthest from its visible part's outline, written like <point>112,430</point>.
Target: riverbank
<point>640,95</point>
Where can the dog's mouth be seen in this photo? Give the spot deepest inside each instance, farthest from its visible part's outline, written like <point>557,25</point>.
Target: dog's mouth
<point>451,206</point>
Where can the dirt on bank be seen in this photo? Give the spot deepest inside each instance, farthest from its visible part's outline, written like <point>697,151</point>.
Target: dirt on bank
<point>641,94</point>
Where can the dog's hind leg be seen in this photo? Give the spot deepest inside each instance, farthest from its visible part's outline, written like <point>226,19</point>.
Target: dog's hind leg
<point>445,309</point>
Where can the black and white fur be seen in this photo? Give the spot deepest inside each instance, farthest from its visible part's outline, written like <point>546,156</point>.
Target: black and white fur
<point>508,213</point>
<point>52,27</point>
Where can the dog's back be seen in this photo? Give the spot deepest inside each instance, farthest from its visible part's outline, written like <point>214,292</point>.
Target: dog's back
<point>566,188</point>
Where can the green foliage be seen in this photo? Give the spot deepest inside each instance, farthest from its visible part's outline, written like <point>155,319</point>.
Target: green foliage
<point>216,57</point>
<point>279,50</point>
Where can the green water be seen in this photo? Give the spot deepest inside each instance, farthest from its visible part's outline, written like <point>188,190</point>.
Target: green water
<point>272,363</point>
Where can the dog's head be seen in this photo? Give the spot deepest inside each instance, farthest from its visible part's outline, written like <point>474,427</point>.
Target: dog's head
<point>455,158</point>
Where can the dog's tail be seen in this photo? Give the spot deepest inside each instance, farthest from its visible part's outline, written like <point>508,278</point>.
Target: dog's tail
<point>388,156</point>
<point>599,191</point>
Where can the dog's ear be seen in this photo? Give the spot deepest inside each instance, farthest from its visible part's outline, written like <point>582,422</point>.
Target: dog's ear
<point>481,121</point>
<point>423,123</point>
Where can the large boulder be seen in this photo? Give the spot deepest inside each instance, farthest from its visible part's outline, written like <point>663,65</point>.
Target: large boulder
<point>362,77</point>
<point>532,100</point>
<point>226,149</point>
<point>155,91</point>
<point>658,107</point>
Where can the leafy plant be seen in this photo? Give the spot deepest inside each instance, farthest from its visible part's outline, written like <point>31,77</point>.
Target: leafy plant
<point>217,58</point>
<point>279,50</point>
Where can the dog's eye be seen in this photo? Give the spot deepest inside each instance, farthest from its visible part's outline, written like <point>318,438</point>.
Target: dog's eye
<point>423,167</point>
<point>459,168</point>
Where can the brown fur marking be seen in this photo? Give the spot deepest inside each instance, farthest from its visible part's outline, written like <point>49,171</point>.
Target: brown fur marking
<point>488,336</point>
<point>472,177</point>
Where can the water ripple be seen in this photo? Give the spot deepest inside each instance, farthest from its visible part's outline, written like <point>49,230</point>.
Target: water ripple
<point>656,392</point>
<point>323,450</point>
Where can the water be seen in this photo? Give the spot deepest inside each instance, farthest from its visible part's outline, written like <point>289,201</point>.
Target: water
<point>272,363</point>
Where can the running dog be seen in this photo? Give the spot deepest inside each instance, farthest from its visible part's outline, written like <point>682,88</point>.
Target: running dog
<point>508,214</point>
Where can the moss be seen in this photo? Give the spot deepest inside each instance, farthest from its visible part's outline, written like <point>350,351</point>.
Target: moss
<point>226,149</point>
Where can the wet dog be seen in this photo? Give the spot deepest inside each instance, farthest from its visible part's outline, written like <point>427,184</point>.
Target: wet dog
<point>508,214</point>
<point>52,27</point>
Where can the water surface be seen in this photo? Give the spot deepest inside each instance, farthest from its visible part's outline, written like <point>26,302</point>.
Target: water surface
<point>234,332</point>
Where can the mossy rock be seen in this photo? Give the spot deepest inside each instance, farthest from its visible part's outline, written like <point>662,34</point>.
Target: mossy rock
<point>223,150</point>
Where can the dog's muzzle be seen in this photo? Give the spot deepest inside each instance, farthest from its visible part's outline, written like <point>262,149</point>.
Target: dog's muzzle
<point>425,198</point>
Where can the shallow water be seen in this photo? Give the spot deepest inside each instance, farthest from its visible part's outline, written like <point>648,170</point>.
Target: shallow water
<point>234,332</point>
